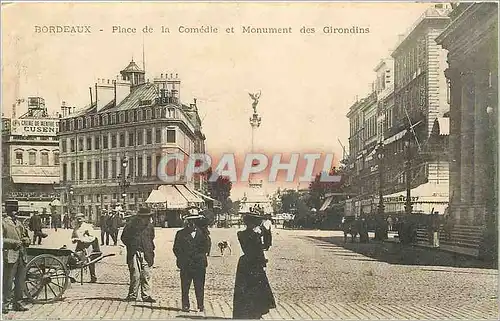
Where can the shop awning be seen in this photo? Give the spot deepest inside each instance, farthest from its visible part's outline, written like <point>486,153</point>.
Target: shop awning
<point>326,204</point>
<point>156,197</point>
<point>204,196</point>
<point>35,179</point>
<point>175,200</point>
<point>428,192</point>
<point>189,194</point>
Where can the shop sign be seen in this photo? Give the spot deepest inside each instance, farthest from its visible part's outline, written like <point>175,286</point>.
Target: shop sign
<point>34,127</point>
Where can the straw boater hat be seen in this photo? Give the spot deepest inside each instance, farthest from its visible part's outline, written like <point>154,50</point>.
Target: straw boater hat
<point>78,215</point>
<point>193,217</point>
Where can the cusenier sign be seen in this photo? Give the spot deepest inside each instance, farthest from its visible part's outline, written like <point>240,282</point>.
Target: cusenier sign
<point>35,127</point>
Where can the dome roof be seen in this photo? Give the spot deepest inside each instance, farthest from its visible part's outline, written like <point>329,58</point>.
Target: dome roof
<point>132,67</point>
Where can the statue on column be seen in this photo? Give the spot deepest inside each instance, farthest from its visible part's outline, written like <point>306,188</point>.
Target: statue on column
<point>255,97</point>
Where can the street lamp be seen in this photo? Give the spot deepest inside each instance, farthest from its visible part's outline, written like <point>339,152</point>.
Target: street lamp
<point>70,199</point>
<point>124,183</point>
<point>381,230</point>
<point>408,205</point>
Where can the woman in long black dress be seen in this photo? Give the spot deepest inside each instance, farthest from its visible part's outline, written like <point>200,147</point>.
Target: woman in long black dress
<point>253,296</point>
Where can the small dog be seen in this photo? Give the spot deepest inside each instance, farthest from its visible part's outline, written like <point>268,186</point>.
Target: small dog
<point>223,246</point>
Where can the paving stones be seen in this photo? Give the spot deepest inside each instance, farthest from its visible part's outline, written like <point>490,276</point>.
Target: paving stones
<point>311,276</point>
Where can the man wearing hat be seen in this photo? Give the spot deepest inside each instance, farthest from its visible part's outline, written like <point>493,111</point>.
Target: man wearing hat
<point>15,240</point>
<point>138,236</point>
<point>84,238</point>
<point>190,248</point>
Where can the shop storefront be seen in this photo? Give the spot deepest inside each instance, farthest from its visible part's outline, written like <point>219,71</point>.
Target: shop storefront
<point>170,202</point>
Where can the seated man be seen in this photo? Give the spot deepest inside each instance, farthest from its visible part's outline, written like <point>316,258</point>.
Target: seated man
<point>84,238</point>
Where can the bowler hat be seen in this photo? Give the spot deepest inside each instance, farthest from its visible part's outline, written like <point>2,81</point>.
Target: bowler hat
<point>79,215</point>
<point>144,211</point>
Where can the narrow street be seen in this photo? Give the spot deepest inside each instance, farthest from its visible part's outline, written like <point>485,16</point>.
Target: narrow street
<point>314,275</point>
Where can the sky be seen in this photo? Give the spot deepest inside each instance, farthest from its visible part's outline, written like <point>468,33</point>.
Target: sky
<point>308,81</point>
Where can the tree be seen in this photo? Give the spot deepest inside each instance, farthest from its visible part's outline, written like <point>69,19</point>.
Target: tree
<point>318,189</point>
<point>276,202</point>
<point>220,189</point>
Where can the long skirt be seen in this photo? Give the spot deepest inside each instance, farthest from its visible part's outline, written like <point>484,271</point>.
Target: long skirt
<point>253,296</point>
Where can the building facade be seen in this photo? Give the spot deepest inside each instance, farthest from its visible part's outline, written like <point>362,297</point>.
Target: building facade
<point>30,158</point>
<point>111,150</point>
<point>396,135</point>
<point>472,42</point>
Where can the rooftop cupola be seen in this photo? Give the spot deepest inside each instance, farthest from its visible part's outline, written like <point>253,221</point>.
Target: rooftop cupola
<point>133,73</point>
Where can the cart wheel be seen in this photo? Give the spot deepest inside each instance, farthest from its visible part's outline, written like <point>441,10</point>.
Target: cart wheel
<point>46,279</point>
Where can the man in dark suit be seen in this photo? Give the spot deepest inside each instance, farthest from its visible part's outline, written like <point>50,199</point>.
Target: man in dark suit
<point>35,225</point>
<point>190,248</point>
<point>138,236</point>
<point>14,242</point>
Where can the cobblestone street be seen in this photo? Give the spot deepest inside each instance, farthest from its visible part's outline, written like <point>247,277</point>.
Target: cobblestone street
<point>313,275</point>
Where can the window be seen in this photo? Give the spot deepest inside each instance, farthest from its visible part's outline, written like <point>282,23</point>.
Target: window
<point>64,146</point>
<point>45,158</point>
<point>19,158</point>
<point>72,144</point>
<point>80,171</point>
<point>105,141</point>
<point>135,115</point>
<point>65,172</point>
<point>105,169</point>
<point>170,135</point>
<point>140,137</point>
<point>122,117</point>
<point>89,170</point>
<point>158,135</point>
<point>97,172</point>
<point>139,166</point>
<point>113,168</point>
<point>171,113</point>
<point>56,158</point>
<point>148,113</point>
<point>158,160</point>
<point>158,112</point>
<point>32,158</point>
<point>80,144</point>
<point>131,167</point>
<point>113,140</point>
<point>73,171</point>
<point>122,139</point>
<point>96,121</point>
<point>131,140</point>
<point>97,142</point>
<point>149,167</point>
<point>89,143</point>
<point>149,136</point>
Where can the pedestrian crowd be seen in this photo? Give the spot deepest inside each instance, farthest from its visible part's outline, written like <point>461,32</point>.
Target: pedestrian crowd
<point>253,296</point>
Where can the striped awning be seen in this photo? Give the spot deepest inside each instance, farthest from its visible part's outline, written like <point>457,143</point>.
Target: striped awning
<point>326,203</point>
<point>189,194</point>
<point>174,198</point>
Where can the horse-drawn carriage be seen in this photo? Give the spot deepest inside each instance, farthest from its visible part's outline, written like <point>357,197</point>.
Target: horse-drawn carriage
<point>50,272</point>
<point>355,226</point>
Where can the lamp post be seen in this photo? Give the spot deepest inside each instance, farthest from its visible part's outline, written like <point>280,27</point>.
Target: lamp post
<point>408,205</point>
<point>124,183</point>
<point>70,199</point>
<point>381,230</point>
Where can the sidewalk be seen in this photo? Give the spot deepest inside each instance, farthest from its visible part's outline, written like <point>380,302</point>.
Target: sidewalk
<point>442,247</point>
<point>109,308</point>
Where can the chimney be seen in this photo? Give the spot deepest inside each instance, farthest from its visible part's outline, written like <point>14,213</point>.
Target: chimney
<point>105,92</point>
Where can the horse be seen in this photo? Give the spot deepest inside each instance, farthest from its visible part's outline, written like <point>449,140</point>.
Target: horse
<point>351,227</point>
